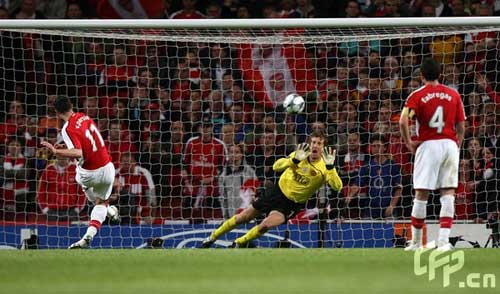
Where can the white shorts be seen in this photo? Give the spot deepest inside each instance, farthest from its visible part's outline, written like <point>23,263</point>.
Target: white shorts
<point>436,165</point>
<point>96,183</point>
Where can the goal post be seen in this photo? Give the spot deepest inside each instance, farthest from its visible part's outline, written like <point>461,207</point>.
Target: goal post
<point>191,113</point>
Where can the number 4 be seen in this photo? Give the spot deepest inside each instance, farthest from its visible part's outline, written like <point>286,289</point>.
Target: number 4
<point>437,121</point>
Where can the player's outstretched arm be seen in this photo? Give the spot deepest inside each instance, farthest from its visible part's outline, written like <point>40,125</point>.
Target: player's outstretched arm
<point>332,177</point>
<point>68,153</point>
<point>404,127</point>
<point>294,159</point>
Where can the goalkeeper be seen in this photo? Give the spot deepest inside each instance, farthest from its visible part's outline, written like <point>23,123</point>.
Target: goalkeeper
<point>305,171</point>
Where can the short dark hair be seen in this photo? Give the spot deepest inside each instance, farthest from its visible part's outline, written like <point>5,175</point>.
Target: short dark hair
<point>430,69</point>
<point>318,134</point>
<point>377,137</point>
<point>63,104</point>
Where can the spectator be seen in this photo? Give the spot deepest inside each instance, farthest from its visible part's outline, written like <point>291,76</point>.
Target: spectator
<point>173,152</point>
<point>89,72</point>
<point>227,134</point>
<point>392,75</point>
<point>188,11</point>
<point>203,160</point>
<point>15,184</point>
<point>352,9</point>
<point>30,137</point>
<point>157,62</point>
<point>382,180</point>
<point>236,116</point>
<point>118,142</point>
<point>264,156</point>
<point>136,192</point>
<point>43,156</point>
<point>409,66</point>
<point>117,73</point>
<point>458,8</point>
<point>152,122</point>
<point>238,183</point>
<point>130,9</point>
<point>304,9</point>
<point>452,77</point>
<point>9,126</point>
<point>487,188</point>
<point>219,62</point>
<point>353,160</point>
<point>59,196</point>
<point>383,125</point>
<point>91,108</point>
<point>27,10</point>
<point>464,199</point>
<point>445,48</point>
<point>74,11</point>
<point>52,8</point>
<point>214,10</point>
<point>473,154</point>
<point>50,120</point>
<point>428,10</point>
<point>348,123</point>
<point>216,108</point>
<point>242,12</point>
<point>144,93</point>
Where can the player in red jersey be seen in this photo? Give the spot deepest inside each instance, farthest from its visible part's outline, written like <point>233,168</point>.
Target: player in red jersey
<point>95,171</point>
<point>440,119</point>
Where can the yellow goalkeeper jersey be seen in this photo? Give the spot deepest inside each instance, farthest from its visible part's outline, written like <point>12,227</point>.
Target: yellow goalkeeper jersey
<point>300,182</point>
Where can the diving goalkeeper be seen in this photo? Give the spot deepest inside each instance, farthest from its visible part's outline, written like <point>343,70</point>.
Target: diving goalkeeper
<point>305,171</point>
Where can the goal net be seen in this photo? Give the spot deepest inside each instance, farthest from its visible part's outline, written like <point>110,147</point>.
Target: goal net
<point>193,119</point>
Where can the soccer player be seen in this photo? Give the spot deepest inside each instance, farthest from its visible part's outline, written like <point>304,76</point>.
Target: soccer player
<point>95,171</point>
<point>304,172</point>
<point>440,118</point>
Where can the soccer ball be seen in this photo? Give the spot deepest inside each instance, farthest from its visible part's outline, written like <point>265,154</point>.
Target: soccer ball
<point>294,103</point>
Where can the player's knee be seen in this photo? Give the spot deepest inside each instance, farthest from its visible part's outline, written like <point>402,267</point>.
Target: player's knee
<point>264,227</point>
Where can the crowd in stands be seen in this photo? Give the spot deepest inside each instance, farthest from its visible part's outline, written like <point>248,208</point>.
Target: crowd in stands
<point>194,128</point>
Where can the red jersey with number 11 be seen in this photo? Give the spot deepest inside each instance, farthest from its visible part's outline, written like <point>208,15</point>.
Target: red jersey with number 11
<point>437,109</point>
<point>80,132</point>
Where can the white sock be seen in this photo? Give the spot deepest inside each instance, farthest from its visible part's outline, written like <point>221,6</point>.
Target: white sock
<point>97,217</point>
<point>416,235</point>
<point>419,212</point>
<point>444,236</point>
<point>446,218</point>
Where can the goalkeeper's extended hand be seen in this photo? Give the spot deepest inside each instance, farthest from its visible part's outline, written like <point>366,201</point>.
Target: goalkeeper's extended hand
<point>301,153</point>
<point>329,156</point>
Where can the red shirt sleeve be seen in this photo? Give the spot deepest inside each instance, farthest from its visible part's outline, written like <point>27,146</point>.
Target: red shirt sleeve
<point>412,102</point>
<point>460,110</point>
<point>71,139</point>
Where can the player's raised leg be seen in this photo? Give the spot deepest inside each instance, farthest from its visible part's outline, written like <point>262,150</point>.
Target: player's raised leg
<point>242,218</point>
<point>97,217</point>
<point>274,219</point>
<point>418,214</point>
<point>99,185</point>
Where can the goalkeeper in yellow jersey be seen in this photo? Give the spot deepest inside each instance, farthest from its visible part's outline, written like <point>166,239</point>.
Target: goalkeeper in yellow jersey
<point>304,171</point>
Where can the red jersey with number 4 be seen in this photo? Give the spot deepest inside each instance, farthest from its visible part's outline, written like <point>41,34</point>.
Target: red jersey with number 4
<point>80,132</point>
<point>437,109</point>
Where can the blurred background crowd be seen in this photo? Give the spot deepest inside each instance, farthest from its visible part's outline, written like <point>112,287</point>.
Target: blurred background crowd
<point>194,127</point>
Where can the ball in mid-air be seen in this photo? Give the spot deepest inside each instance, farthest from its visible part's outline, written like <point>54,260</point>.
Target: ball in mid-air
<point>294,103</point>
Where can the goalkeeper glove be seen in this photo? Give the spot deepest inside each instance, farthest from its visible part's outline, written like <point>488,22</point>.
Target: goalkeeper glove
<point>329,157</point>
<point>301,153</point>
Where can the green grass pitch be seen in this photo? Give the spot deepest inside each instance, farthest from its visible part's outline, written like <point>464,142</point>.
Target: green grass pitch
<point>232,271</point>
